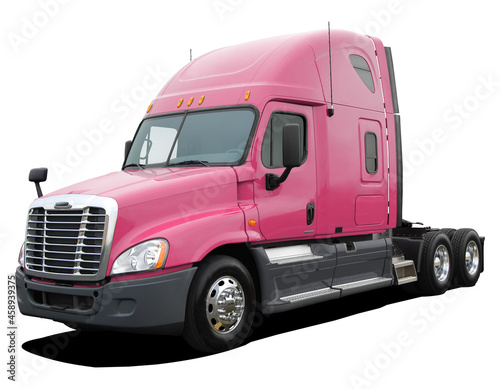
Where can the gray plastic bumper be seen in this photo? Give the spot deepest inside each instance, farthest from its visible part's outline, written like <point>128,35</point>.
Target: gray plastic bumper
<point>149,305</point>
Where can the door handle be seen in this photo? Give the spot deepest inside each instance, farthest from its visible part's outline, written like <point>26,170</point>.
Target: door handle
<point>310,213</point>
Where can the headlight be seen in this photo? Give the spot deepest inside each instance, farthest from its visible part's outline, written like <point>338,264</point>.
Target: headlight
<point>150,255</point>
<point>20,259</point>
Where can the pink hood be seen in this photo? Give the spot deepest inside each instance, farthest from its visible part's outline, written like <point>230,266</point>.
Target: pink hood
<point>139,186</point>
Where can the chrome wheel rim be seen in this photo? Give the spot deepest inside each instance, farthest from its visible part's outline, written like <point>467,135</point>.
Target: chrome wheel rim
<point>472,257</point>
<point>441,263</point>
<point>225,305</point>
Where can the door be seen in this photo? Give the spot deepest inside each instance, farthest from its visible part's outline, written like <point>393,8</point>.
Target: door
<point>372,200</point>
<point>288,212</point>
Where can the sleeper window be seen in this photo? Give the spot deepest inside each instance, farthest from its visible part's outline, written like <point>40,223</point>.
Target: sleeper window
<point>361,66</point>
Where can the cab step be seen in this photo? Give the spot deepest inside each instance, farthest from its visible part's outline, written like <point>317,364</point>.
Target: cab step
<point>404,269</point>
<point>337,291</point>
<point>333,293</point>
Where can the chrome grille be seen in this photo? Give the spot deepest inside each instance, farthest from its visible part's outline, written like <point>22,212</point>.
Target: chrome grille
<point>65,242</point>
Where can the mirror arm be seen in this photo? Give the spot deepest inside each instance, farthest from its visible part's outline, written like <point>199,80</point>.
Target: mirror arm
<point>273,181</point>
<point>38,189</point>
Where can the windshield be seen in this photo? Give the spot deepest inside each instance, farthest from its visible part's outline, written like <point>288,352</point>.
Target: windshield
<point>195,138</point>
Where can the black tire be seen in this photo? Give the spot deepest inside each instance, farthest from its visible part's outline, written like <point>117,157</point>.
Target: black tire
<point>468,263</point>
<point>449,232</point>
<point>205,333</point>
<point>432,279</point>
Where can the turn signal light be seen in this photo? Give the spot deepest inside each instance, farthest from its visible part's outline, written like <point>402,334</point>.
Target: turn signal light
<point>162,255</point>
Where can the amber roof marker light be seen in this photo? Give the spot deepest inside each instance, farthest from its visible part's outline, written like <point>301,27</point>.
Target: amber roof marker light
<point>202,99</point>
<point>180,102</point>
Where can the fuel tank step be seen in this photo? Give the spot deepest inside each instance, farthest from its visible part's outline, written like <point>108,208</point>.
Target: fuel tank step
<point>404,269</point>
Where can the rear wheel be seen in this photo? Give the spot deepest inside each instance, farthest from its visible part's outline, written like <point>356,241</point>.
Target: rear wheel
<point>436,266</point>
<point>220,306</point>
<point>468,256</point>
<point>449,232</point>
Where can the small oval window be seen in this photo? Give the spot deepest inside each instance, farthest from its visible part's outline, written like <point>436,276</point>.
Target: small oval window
<point>361,66</point>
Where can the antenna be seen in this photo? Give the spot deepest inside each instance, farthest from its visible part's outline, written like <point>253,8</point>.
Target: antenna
<point>330,110</point>
<point>190,55</point>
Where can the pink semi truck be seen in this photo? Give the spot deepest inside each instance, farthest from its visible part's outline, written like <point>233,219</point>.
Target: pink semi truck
<point>265,176</point>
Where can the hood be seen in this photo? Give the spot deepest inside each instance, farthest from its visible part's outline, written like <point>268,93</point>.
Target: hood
<point>131,187</point>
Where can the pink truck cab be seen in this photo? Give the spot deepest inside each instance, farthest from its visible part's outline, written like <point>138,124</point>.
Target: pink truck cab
<point>265,176</point>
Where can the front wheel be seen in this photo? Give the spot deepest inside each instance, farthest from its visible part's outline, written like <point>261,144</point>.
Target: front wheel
<point>220,306</point>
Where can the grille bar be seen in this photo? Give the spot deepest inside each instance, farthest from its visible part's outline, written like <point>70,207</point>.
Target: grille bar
<point>59,237</point>
<point>63,267</point>
<point>59,252</point>
<point>60,260</point>
<point>71,222</point>
<point>65,242</point>
<point>60,229</point>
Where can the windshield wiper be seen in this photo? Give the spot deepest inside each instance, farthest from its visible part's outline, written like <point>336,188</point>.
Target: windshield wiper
<point>140,166</point>
<point>190,162</point>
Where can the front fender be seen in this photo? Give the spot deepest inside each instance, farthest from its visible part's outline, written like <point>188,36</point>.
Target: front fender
<point>193,223</point>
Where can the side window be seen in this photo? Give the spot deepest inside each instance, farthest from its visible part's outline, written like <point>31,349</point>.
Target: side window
<point>361,66</point>
<point>371,153</point>
<point>272,146</point>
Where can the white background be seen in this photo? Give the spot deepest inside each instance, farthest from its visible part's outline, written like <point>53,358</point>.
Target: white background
<point>77,62</point>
